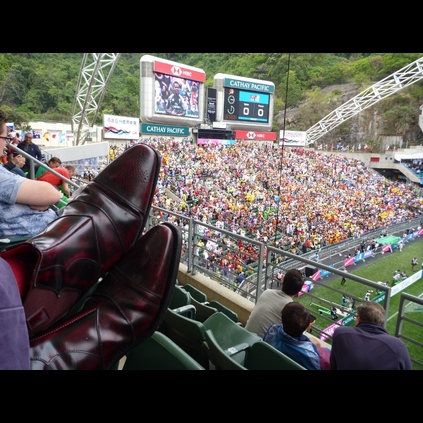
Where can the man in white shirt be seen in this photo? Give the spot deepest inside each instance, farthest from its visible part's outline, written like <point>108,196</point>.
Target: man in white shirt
<point>269,305</point>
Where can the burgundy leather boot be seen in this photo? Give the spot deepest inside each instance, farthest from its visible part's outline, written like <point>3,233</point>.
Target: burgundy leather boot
<point>124,310</point>
<point>55,268</point>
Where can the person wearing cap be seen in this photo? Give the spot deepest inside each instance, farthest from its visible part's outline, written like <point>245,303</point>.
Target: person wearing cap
<point>288,337</point>
<point>14,164</point>
<point>367,345</point>
<point>12,134</point>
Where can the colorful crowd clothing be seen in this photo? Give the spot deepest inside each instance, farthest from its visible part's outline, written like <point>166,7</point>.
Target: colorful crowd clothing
<point>53,179</point>
<point>336,198</point>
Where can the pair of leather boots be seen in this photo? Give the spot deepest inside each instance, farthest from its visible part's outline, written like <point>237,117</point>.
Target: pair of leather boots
<point>94,285</point>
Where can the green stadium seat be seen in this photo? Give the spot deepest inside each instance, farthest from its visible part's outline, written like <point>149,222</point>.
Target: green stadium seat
<point>188,310</point>
<point>159,353</point>
<point>188,334</point>
<point>195,293</point>
<point>263,356</point>
<point>220,359</point>
<point>6,242</point>
<point>225,310</point>
<point>180,297</point>
<point>259,355</point>
<point>203,311</point>
<point>231,337</point>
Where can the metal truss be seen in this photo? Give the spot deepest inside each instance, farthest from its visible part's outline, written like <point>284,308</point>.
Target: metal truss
<point>390,85</point>
<point>96,70</point>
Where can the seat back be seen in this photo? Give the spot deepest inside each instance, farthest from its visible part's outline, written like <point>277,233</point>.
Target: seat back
<point>186,310</point>
<point>203,311</point>
<point>195,293</point>
<point>180,297</point>
<point>159,353</point>
<point>188,333</point>
<point>231,337</point>
<point>225,310</point>
<point>9,242</point>
<point>263,356</point>
<point>220,359</point>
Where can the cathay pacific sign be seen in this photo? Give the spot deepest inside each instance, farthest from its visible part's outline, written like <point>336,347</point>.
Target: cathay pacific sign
<point>249,85</point>
<point>165,130</point>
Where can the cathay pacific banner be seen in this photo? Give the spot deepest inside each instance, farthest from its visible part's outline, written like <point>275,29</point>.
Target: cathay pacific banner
<point>165,130</point>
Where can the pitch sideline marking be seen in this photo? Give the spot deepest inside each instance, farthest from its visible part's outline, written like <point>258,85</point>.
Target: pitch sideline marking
<point>396,313</point>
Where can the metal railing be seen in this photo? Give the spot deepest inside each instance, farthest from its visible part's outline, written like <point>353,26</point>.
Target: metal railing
<point>407,326</point>
<point>206,247</point>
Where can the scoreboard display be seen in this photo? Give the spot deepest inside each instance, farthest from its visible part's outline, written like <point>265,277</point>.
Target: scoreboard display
<point>244,103</point>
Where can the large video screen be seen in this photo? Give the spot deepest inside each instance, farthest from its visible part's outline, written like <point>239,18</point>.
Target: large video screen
<point>176,96</point>
<point>171,93</point>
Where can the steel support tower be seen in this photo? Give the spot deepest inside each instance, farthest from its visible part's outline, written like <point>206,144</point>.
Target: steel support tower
<point>96,70</point>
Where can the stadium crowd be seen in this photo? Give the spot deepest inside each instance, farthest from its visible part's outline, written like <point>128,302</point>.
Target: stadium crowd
<point>311,198</point>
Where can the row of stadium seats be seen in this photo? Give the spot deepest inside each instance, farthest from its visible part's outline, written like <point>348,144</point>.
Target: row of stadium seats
<point>196,335</point>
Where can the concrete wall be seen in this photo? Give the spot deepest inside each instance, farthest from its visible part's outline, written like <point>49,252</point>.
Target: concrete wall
<point>217,292</point>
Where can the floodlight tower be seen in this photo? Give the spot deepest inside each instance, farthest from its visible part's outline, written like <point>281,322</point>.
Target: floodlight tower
<point>96,70</point>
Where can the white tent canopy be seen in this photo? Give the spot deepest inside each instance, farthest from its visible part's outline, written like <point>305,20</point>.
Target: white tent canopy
<point>400,157</point>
